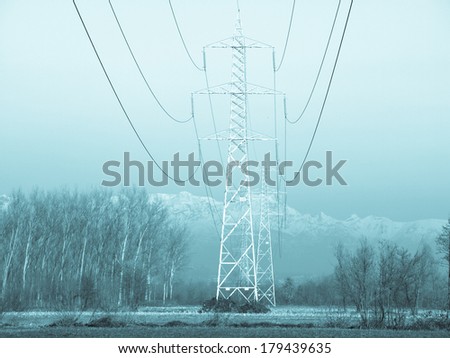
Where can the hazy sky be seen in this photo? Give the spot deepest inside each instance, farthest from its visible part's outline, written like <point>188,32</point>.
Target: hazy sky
<point>387,114</point>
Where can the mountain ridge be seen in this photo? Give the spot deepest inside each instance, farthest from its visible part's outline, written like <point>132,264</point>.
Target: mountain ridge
<point>307,244</point>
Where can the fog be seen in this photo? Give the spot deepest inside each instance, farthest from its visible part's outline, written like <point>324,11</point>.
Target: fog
<point>387,113</point>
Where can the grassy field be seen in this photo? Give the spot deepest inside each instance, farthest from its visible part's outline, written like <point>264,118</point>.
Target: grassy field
<point>161,322</point>
<point>214,332</point>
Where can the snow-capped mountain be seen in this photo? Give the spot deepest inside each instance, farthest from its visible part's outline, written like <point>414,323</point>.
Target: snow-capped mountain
<point>306,245</point>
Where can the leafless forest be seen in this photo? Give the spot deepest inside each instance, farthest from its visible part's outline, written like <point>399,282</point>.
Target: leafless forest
<point>106,251</point>
<point>72,250</point>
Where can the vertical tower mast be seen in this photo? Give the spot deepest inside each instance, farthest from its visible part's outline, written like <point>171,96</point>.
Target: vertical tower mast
<point>264,261</point>
<point>237,269</point>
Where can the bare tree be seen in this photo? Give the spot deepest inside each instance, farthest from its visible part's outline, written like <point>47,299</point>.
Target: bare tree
<point>422,269</point>
<point>342,273</point>
<point>387,281</point>
<point>443,242</point>
<point>287,291</point>
<point>12,225</point>
<point>362,267</point>
<point>355,274</point>
<point>174,256</point>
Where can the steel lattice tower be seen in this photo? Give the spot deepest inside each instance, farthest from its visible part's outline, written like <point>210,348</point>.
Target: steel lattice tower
<point>237,273</point>
<point>237,269</point>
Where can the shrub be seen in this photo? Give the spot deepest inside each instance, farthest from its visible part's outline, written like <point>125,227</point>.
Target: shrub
<point>176,324</point>
<point>105,321</point>
<point>65,322</point>
<point>227,305</point>
<point>431,322</point>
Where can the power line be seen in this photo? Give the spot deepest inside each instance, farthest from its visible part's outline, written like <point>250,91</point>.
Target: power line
<point>285,158</point>
<point>208,190</point>
<point>327,93</point>
<point>211,108</point>
<point>182,38</point>
<point>287,37</point>
<point>277,157</point>
<point>130,122</point>
<point>140,70</point>
<point>320,67</point>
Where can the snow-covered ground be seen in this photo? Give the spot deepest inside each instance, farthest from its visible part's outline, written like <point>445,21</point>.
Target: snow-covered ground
<point>287,315</point>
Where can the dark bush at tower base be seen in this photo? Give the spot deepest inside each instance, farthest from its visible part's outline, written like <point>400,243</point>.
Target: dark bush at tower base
<point>227,305</point>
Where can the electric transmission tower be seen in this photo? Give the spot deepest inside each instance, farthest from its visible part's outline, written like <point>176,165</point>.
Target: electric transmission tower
<point>237,273</point>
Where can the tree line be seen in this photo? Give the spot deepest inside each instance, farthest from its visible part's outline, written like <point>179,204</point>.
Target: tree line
<point>78,250</point>
<point>383,282</point>
<point>121,250</point>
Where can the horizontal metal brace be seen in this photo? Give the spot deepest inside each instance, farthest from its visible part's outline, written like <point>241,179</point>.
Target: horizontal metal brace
<point>229,43</point>
<point>231,88</point>
<point>251,136</point>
